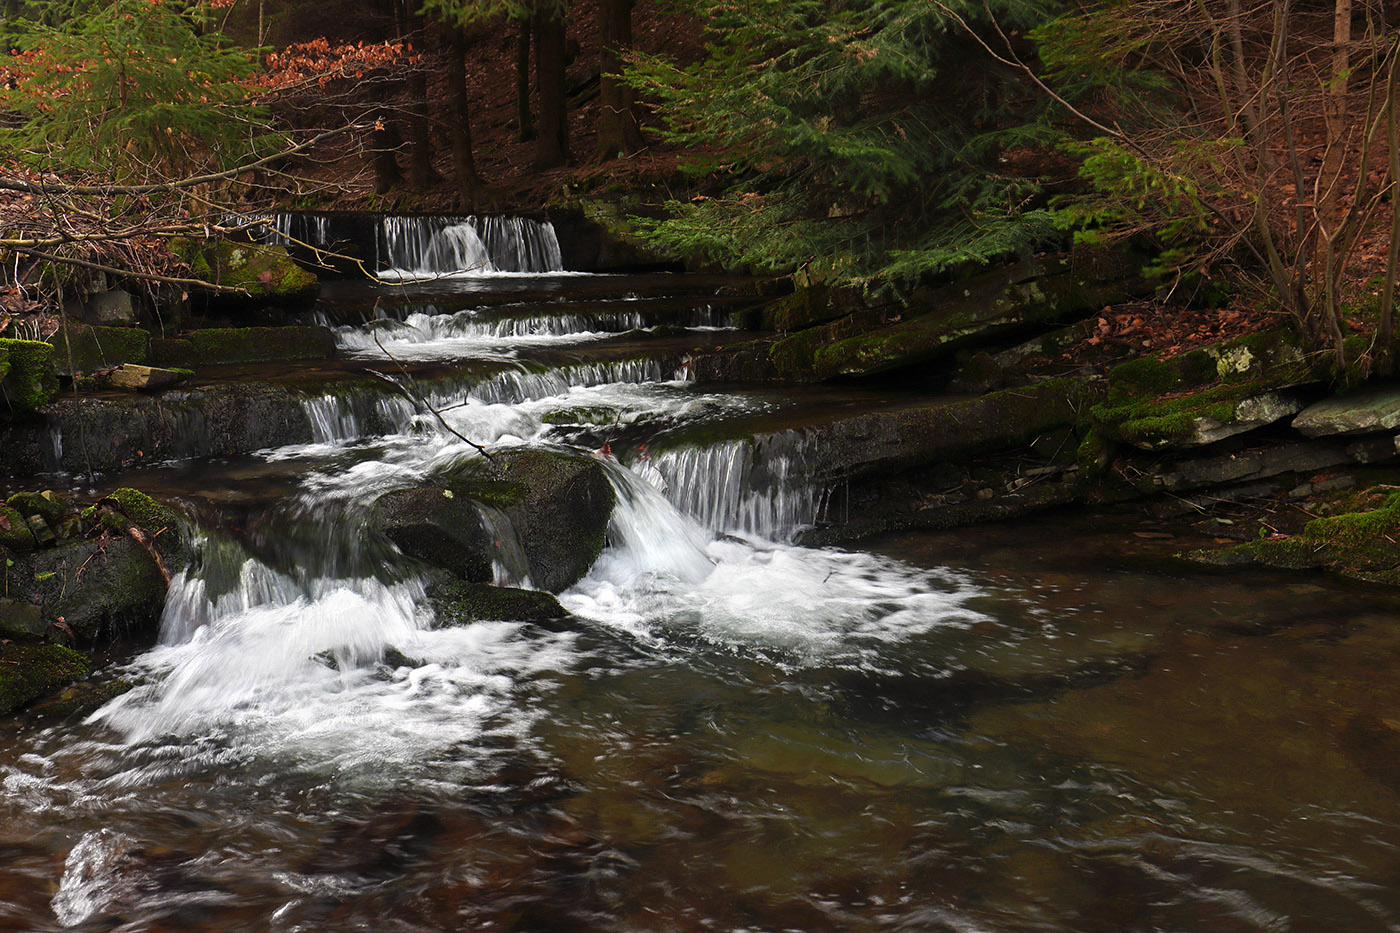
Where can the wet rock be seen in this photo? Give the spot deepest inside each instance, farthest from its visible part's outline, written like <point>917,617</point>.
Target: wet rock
<point>82,698</point>
<point>28,379</point>
<point>20,619</point>
<point>462,603</point>
<point>553,507</point>
<point>439,528</point>
<point>562,515</point>
<point>101,588</point>
<point>28,672</point>
<point>1375,410</point>
<point>111,433</point>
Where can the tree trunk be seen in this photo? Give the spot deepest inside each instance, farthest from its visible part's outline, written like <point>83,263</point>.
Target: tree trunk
<point>552,144</point>
<point>618,130</point>
<point>1330,183</point>
<point>459,126</point>
<point>421,174</point>
<point>525,119</point>
<point>383,140</point>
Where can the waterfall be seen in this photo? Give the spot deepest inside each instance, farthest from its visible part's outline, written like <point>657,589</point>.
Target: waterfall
<point>433,247</point>
<point>761,486</point>
<point>337,419</point>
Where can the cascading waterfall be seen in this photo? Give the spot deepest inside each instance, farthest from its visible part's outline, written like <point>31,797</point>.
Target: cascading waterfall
<point>761,486</point>
<point>433,247</point>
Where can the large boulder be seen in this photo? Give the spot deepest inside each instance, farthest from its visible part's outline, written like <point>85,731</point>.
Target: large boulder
<point>549,510</point>
<point>438,527</point>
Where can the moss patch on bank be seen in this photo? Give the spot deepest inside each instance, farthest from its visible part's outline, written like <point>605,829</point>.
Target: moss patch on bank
<point>1363,544</point>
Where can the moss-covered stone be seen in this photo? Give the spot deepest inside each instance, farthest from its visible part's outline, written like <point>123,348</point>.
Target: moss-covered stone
<point>48,505</point>
<point>30,380</point>
<point>1364,545</point>
<point>83,698</point>
<point>14,532</point>
<point>263,272</point>
<point>174,353</point>
<point>218,345</point>
<point>101,588</point>
<point>79,348</point>
<point>28,672</point>
<point>460,603</point>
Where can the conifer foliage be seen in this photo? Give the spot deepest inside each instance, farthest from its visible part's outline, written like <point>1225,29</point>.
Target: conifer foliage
<point>135,88</point>
<point>856,141</point>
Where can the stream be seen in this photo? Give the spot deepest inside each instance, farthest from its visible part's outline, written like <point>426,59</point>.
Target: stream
<point>1041,725</point>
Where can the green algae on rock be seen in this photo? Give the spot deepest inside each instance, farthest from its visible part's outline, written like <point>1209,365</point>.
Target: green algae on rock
<point>460,603</point>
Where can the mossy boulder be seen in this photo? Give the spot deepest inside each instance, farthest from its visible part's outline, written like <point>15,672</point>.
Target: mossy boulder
<point>216,345</point>
<point>1356,544</point>
<point>28,672</point>
<point>548,510</point>
<point>438,527</point>
<point>29,379</point>
<point>50,506</point>
<point>79,348</point>
<point>174,353</point>
<point>20,619</point>
<point>461,603</point>
<point>14,530</point>
<point>265,273</point>
<point>562,515</point>
<point>102,588</point>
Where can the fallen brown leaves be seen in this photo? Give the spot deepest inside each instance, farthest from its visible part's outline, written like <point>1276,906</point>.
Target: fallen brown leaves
<point>1151,327</point>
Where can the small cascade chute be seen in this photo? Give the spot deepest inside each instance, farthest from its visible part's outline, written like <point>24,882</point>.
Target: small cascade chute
<point>761,487</point>
<point>438,247</point>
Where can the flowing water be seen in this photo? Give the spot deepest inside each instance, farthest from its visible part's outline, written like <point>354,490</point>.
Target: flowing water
<point>1037,726</point>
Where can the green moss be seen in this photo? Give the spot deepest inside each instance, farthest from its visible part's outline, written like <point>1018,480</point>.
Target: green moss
<point>174,353</point>
<point>262,344</point>
<point>147,512</point>
<point>31,380</point>
<point>261,271</point>
<point>1365,545</point>
<point>94,348</point>
<point>28,672</point>
<point>496,493</point>
<point>4,363</point>
<point>14,533</point>
<point>49,506</point>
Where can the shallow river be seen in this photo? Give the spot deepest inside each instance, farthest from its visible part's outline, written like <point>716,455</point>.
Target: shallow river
<point>1044,725</point>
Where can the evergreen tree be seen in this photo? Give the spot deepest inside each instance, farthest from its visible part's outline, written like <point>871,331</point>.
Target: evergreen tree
<point>857,142</point>
<point>131,89</point>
